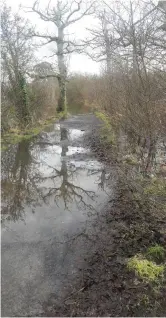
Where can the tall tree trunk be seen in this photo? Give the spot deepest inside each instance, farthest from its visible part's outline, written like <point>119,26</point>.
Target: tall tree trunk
<point>108,51</point>
<point>24,115</point>
<point>62,104</point>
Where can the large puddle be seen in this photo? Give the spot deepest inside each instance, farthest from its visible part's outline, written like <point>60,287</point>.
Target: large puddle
<point>51,188</point>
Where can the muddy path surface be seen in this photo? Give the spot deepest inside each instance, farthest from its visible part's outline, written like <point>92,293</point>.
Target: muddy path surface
<point>53,190</point>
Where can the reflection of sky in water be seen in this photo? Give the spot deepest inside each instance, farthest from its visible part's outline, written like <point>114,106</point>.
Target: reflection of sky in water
<point>53,218</point>
<point>75,133</point>
<point>52,157</point>
<point>53,136</point>
<point>71,150</point>
<point>46,182</point>
<point>52,170</point>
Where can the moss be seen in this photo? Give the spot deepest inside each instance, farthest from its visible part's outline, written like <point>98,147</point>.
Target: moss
<point>27,137</point>
<point>33,132</point>
<point>157,187</point>
<point>156,253</point>
<point>103,117</point>
<point>131,160</point>
<point>15,130</point>
<point>145,269</point>
<point>10,139</point>
<point>110,139</point>
<point>144,300</point>
<point>3,147</point>
<point>63,115</point>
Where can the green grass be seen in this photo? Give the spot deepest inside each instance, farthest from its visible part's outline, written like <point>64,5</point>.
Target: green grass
<point>105,118</point>
<point>156,188</point>
<point>131,160</point>
<point>147,270</point>
<point>63,115</point>
<point>106,132</point>
<point>156,253</point>
<point>3,148</point>
<point>15,135</point>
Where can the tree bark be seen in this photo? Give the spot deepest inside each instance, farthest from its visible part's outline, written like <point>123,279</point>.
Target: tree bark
<point>62,104</point>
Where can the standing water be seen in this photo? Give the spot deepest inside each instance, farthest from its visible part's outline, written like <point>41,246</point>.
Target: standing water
<point>52,187</point>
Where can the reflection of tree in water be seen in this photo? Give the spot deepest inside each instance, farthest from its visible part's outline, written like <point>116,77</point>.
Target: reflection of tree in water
<point>102,179</point>
<point>67,190</point>
<point>22,181</point>
<point>18,181</point>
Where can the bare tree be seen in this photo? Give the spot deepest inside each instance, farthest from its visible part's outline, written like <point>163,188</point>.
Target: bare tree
<point>62,15</point>
<point>134,40</point>
<point>101,43</point>
<point>116,24</point>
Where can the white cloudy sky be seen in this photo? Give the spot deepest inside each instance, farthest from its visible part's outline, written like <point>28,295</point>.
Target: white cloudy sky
<point>78,62</point>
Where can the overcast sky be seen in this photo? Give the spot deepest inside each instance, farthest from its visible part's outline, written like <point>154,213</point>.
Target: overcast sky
<point>78,62</point>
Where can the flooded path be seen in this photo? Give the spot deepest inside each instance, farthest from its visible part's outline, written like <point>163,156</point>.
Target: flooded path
<point>52,190</point>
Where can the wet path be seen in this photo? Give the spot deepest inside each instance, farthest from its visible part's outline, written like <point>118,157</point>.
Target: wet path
<point>52,189</point>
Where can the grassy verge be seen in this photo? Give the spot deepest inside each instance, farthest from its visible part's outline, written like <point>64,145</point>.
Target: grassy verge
<point>107,135</point>
<point>15,135</point>
<point>142,243</point>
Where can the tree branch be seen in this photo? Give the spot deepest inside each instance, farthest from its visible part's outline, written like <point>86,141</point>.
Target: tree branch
<point>42,16</point>
<point>74,11</point>
<point>86,12</point>
<point>42,76</point>
<point>45,36</point>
